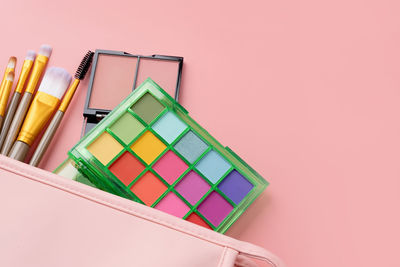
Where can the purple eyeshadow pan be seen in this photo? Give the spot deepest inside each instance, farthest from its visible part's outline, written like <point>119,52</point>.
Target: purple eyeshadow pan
<point>235,186</point>
<point>192,187</point>
<point>215,208</point>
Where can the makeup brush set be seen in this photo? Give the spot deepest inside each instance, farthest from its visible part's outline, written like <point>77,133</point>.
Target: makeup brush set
<point>23,118</point>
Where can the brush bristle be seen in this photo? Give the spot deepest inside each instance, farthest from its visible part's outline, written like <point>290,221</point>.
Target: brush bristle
<point>12,62</point>
<point>30,55</point>
<point>10,76</point>
<point>84,66</point>
<point>45,50</point>
<point>55,82</point>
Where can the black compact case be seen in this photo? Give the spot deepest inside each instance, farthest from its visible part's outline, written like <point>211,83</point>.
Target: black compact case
<point>116,74</point>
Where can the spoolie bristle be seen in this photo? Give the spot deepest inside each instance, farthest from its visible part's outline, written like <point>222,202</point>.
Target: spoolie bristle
<point>84,66</point>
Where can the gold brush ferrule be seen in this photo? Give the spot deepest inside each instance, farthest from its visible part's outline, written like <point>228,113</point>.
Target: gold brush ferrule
<point>4,96</point>
<point>40,111</point>
<point>26,68</point>
<point>38,68</point>
<point>68,96</point>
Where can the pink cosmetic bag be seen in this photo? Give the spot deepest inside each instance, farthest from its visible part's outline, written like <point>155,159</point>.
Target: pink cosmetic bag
<point>47,220</point>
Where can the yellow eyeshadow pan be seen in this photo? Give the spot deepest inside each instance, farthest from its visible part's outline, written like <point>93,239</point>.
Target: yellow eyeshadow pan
<point>148,147</point>
<point>105,148</point>
<point>153,152</point>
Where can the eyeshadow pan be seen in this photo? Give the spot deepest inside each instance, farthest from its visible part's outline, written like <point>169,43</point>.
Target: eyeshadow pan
<point>213,166</point>
<point>104,148</point>
<point>192,187</point>
<point>147,107</point>
<point>170,167</point>
<point>169,127</point>
<point>148,147</point>
<point>127,167</point>
<point>194,218</point>
<point>148,188</point>
<point>127,128</point>
<point>235,186</point>
<point>215,208</point>
<point>113,81</point>
<point>161,71</point>
<point>173,205</point>
<point>191,146</point>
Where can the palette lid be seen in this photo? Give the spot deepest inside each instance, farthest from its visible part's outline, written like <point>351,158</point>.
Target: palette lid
<point>115,74</point>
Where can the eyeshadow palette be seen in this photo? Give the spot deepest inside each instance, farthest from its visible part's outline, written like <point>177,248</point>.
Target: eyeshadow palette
<point>150,150</point>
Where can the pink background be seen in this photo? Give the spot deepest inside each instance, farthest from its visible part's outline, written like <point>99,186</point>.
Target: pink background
<point>307,92</point>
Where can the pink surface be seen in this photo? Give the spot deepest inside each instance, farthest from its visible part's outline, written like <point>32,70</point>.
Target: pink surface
<point>320,78</point>
<point>170,167</point>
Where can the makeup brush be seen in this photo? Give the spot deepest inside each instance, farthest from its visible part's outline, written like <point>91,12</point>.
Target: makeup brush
<point>38,68</point>
<point>25,70</point>
<point>7,85</point>
<point>55,122</point>
<point>12,62</point>
<point>45,102</point>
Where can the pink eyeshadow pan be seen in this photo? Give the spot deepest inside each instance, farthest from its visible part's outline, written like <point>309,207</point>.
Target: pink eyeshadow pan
<point>162,72</point>
<point>192,187</point>
<point>173,205</point>
<point>170,167</point>
<point>113,81</point>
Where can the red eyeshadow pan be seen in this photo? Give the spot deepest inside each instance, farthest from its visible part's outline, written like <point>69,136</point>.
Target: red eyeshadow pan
<point>194,218</point>
<point>127,167</point>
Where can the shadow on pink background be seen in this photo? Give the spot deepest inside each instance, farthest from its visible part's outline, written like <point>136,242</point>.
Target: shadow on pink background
<point>307,92</point>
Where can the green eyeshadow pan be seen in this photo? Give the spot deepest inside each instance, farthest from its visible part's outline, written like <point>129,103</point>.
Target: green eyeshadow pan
<point>148,149</point>
<point>127,128</point>
<point>147,107</point>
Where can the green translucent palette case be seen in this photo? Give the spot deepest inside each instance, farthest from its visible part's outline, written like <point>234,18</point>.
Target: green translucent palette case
<point>148,149</point>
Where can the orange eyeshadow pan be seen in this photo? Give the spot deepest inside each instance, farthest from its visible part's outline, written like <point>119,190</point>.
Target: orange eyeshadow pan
<point>148,188</point>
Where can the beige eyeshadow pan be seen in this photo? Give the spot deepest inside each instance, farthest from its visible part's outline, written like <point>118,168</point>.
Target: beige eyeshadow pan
<point>114,80</point>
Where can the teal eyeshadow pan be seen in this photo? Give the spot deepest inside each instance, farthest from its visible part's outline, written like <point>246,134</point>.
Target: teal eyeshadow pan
<point>213,166</point>
<point>190,146</point>
<point>169,127</point>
